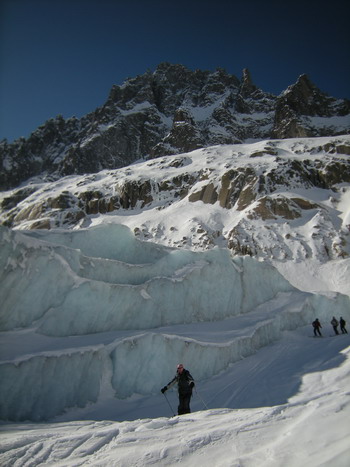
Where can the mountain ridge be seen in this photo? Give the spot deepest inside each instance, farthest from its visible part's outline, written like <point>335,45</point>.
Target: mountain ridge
<point>171,111</point>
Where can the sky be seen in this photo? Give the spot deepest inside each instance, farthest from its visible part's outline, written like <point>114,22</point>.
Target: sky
<point>63,56</point>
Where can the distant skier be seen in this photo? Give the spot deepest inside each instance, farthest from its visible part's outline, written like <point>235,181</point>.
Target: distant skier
<point>185,384</point>
<point>342,325</point>
<point>317,325</point>
<point>335,324</point>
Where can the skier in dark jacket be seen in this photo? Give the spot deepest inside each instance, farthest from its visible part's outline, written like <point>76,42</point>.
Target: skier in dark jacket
<point>317,325</point>
<point>185,384</point>
<point>335,325</point>
<point>342,325</point>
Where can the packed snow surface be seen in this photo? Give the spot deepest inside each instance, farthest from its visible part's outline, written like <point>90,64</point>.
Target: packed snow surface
<point>93,322</point>
<point>291,407</point>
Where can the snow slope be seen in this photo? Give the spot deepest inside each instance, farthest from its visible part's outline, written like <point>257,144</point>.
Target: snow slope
<point>277,200</point>
<point>295,412</point>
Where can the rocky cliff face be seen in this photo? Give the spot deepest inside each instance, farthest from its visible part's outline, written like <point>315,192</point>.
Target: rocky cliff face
<point>170,111</point>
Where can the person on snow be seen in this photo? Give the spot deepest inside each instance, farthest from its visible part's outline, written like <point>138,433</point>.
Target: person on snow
<point>185,383</point>
<point>317,325</point>
<point>335,324</point>
<point>342,325</point>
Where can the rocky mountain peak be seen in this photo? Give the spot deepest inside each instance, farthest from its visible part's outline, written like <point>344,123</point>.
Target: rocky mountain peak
<point>303,106</point>
<point>305,98</point>
<point>168,111</point>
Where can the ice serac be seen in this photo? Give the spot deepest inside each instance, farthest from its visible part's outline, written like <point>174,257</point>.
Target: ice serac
<point>28,279</point>
<point>87,294</point>
<point>101,316</point>
<point>41,386</point>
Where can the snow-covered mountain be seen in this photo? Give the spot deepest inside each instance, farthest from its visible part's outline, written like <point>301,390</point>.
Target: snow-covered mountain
<point>170,111</point>
<point>217,256</point>
<point>276,199</point>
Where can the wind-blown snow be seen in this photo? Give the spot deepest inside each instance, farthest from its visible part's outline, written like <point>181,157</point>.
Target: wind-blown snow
<point>93,322</point>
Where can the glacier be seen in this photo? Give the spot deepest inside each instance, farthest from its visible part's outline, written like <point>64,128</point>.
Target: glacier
<point>88,315</point>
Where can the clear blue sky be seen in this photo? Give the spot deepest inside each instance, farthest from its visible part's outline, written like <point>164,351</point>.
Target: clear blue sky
<point>63,56</point>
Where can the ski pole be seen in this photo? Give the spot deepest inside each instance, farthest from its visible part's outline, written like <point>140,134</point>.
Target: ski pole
<point>205,405</point>
<point>169,404</point>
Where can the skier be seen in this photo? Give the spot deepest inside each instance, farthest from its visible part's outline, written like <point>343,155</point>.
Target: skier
<point>335,324</point>
<point>185,383</point>
<point>342,325</point>
<point>317,325</point>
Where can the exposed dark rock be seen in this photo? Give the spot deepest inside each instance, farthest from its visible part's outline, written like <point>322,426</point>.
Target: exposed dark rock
<point>272,208</point>
<point>41,224</point>
<point>207,194</point>
<point>300,101</point>
<point>16,197</point>
<point>247,87</point>
<point>183,137</point>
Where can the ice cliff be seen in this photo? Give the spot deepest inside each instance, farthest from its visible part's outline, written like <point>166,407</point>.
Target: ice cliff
<point>90,314</point>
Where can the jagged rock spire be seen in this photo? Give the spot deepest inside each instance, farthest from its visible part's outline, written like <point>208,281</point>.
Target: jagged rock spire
<point>247,86</point>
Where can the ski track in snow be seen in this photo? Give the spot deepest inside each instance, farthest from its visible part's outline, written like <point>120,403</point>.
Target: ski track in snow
<point>287,395</point>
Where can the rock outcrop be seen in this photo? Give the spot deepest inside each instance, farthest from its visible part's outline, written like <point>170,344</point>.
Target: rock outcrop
<point>302,107</point>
